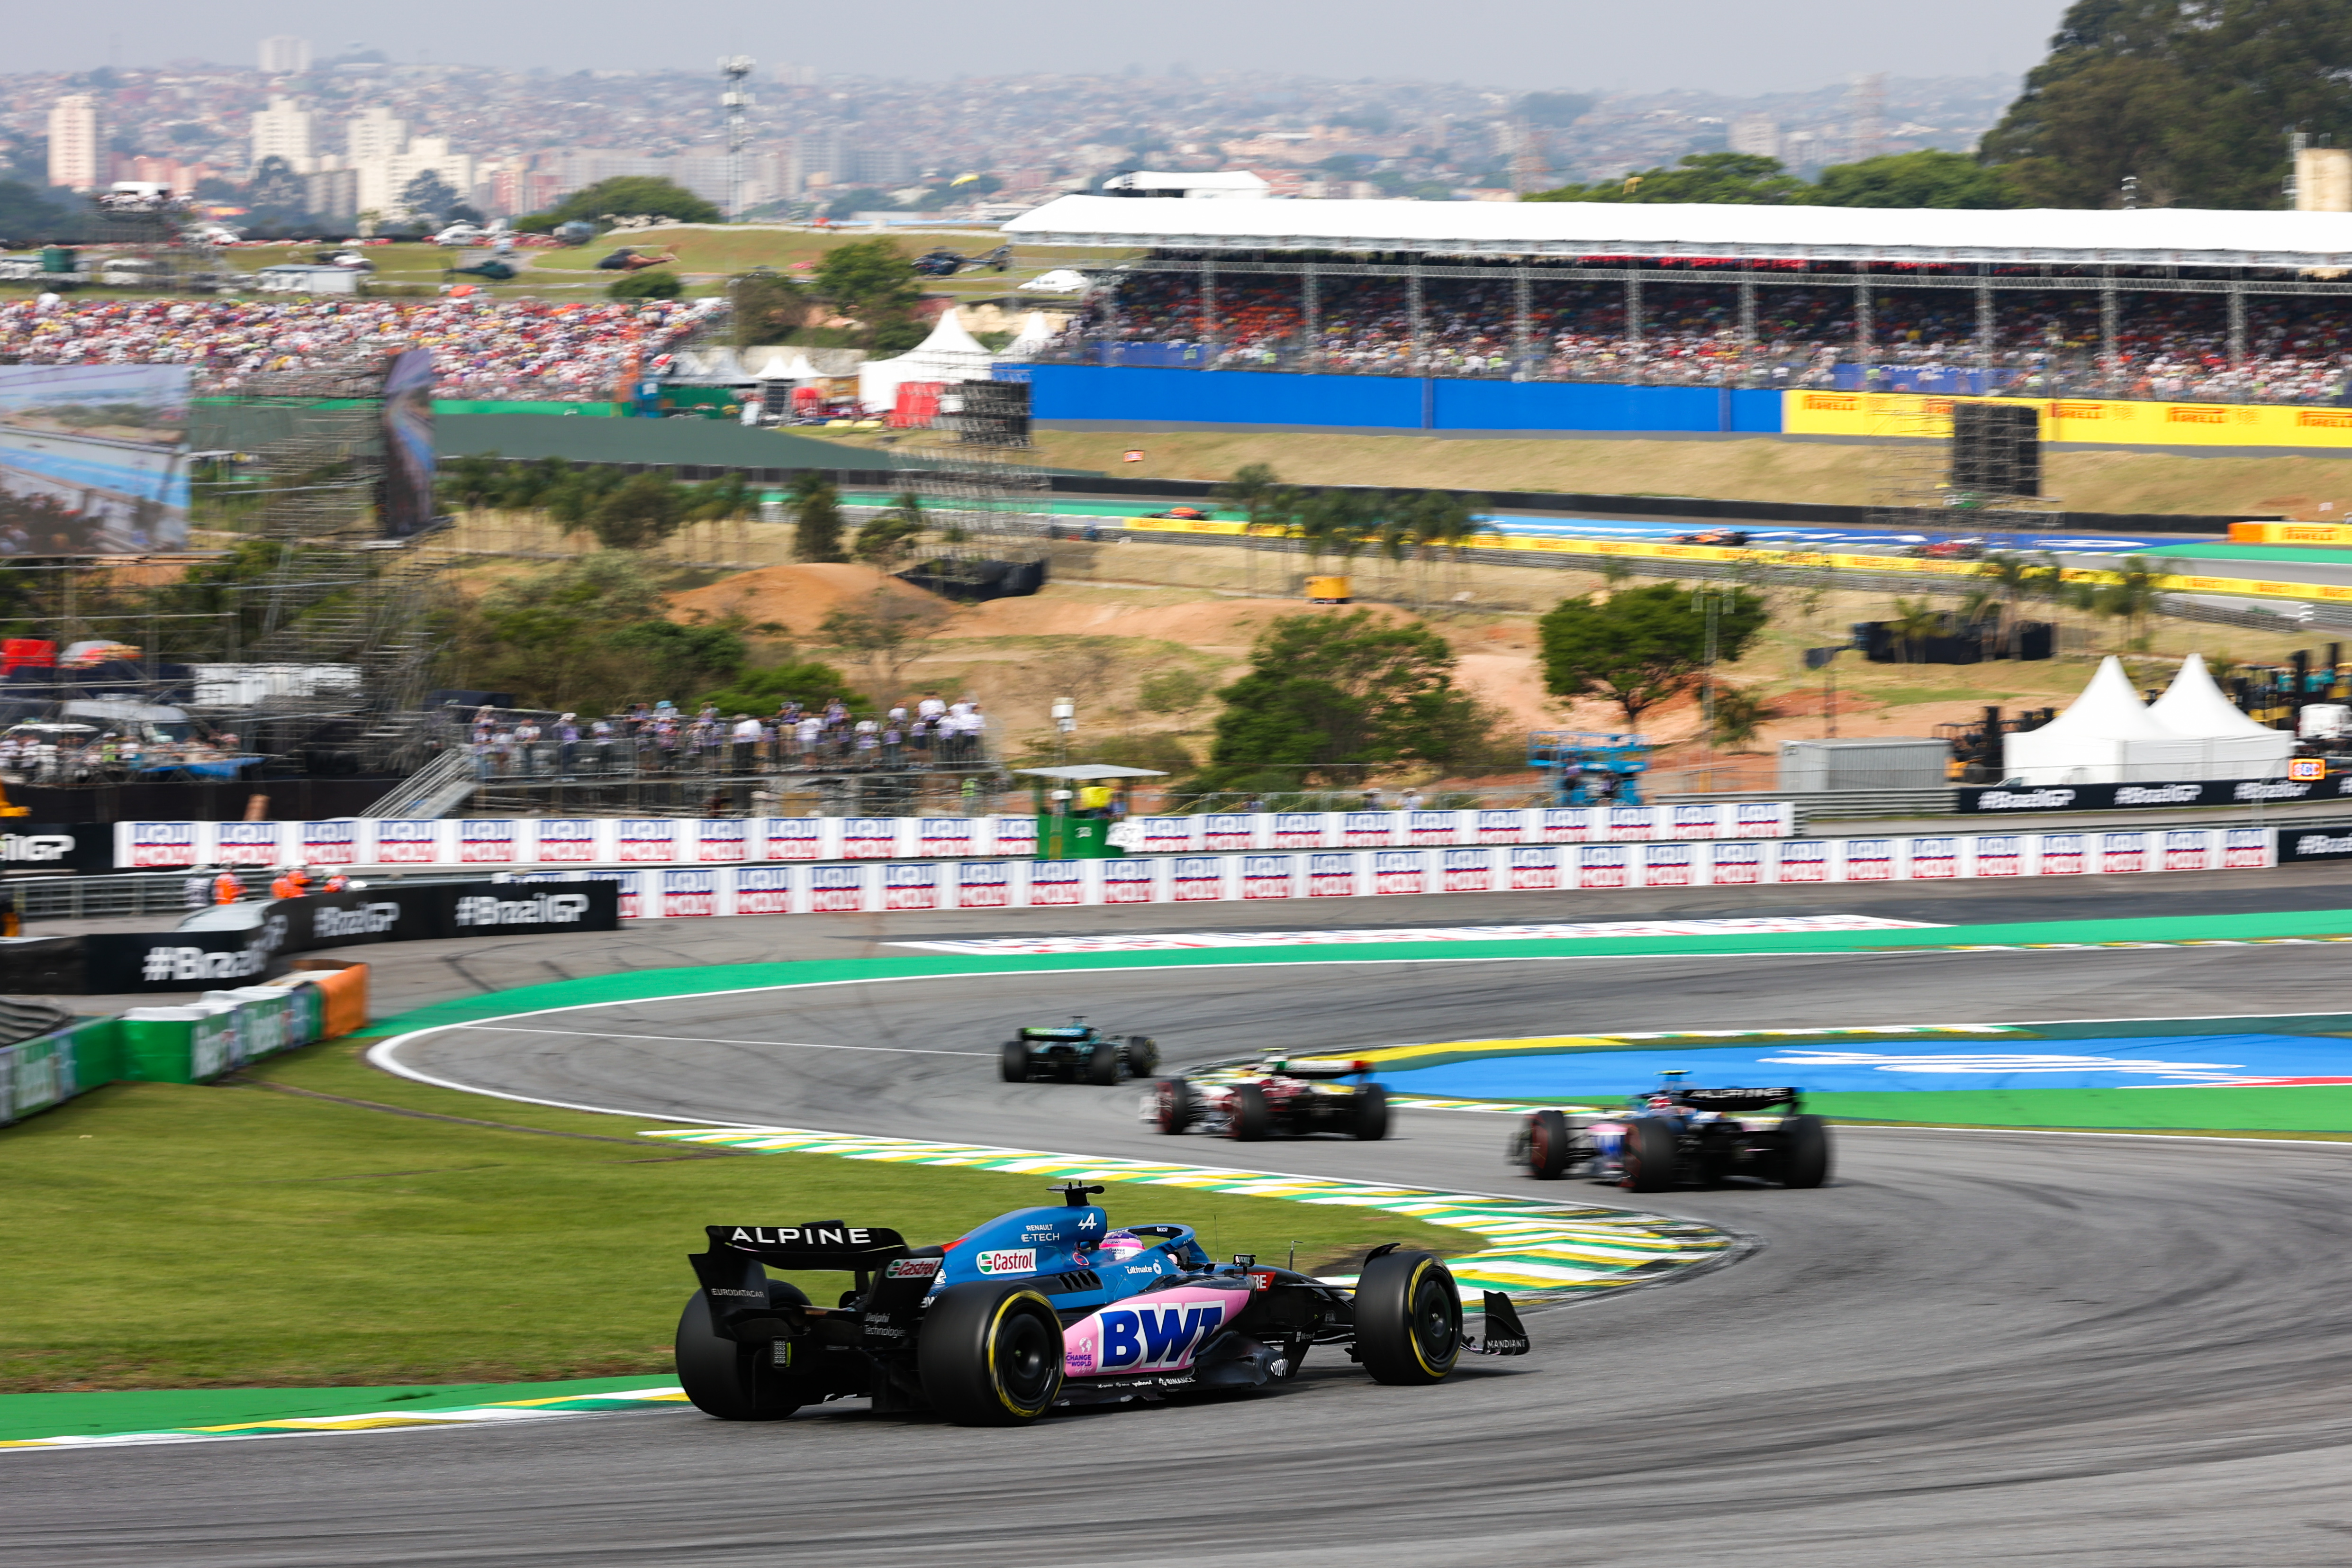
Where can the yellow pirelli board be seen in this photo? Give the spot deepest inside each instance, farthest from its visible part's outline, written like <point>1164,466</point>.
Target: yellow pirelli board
<point>1646,550</point>
<point>2066,419</point>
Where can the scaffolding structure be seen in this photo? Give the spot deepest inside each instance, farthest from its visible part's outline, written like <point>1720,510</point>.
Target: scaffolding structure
<point>984,500</point>
<point>1913,476</point>
<point>146,236</point>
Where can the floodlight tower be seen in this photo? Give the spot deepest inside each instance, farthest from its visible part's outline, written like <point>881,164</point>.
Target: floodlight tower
<point>735,101</point>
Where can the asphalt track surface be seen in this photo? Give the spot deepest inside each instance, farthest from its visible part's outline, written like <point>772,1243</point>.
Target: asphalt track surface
<point>1970,1347</point>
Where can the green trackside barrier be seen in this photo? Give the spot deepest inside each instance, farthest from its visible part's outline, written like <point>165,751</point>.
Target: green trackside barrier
<point>42,1074</point>
<point>198,1042</point>
<point>504,406</point>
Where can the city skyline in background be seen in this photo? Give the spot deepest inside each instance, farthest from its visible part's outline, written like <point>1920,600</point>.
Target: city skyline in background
<point>1713,46</point>
<point>338,131</point>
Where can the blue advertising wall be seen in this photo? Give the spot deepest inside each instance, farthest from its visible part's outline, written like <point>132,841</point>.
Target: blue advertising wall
<point>1131,392</point>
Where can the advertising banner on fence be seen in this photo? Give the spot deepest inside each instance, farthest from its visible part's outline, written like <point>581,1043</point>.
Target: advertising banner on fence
<point>2006,800</point>
<point>201,960</point>
<point>505,841</point>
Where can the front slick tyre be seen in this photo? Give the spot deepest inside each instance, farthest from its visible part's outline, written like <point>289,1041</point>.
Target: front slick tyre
<point>990,1353</point>
<point>1249,1117</point>
<point>1408,1319</point>
<point>736,1382</point>
<point>1547,1145</point>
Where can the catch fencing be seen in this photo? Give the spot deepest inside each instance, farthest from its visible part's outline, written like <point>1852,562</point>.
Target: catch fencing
<point>849,888</point>
<point>620,841</point>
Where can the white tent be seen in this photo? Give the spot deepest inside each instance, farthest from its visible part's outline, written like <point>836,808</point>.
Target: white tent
<point>1036,332</point>
<point>2236,747</point>
<point>949,353</point>
<point>2107,736</point>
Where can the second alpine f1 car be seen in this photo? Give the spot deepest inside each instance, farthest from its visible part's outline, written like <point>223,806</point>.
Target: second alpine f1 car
<point>1044,1306</point>
<point>1677,1135</point>
<point>1251,1099</point>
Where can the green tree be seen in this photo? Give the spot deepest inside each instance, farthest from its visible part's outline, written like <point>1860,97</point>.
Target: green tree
<point>1175,692</point>
<point>1741,178</point>
<point>1326,691</point>
<point>642,511</point>
<point>1641,646</point>
<point>765,690</point>
<point>1739,714</point>
<point>1923,179</point>
<point>646,284</point>
<point>2192,99</point>
<point>816,518</point>
<point>769,307</point>
<point>634,196</point>
<point>1257,491</point>
<point>872,282</point>
<point>427,194</point>
<point>886,539</point>
<point>588,633</point>
<point>1911,623</point>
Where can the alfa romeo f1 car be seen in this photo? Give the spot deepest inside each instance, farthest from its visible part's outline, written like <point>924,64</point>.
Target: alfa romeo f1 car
<point>1044,1306</point>
<point>1249,1100</point>
<point>1677,1135</point>
<point>1074,1050</point>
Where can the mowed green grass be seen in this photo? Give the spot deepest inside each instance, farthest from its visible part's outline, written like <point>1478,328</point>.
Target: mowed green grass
<point>163,1236</point>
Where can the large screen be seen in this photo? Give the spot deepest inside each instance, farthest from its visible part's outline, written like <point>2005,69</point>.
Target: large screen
<point>93,458</point>
<point>408,458</point>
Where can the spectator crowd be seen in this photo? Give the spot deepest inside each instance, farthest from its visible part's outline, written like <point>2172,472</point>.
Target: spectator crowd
<point>522,349</point>
<point>660,738</point>
<point>2168,345</point>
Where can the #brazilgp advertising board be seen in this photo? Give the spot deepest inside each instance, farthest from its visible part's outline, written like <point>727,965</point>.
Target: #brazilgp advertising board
<point>865,886</point>
<point>93,458</point>
<point>519,841</point>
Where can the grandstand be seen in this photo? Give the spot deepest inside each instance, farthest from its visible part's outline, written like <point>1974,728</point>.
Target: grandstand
<point>2239,307</point>
<point>503,350</point>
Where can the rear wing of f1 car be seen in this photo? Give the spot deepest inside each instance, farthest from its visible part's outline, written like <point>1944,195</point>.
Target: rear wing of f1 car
<point>1737,1099</point>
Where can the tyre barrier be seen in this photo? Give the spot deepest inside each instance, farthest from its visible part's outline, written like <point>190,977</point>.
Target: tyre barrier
<point>619,841</point>
<point>194,1042</point>
<point>850,887</point>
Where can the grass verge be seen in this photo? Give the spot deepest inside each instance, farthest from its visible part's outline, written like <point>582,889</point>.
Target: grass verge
<point>167,1236</point>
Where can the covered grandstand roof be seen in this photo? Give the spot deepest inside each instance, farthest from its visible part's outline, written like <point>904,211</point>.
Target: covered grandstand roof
<point>2044,237</point>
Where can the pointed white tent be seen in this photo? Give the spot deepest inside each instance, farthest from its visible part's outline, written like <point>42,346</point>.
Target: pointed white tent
<point>949,353</point>
<point>2107,736</point>
<point>778,367</point>
<point>1036,332</point>
<point>2234,746</point>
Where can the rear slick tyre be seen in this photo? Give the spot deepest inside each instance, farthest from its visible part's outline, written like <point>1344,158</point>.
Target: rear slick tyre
<point>1371,1112</point>
<point>1547,1145</point>
<point>1805,1155</point>
<point>1650,1156</point>
<point>990,1353</point>
<point>1013,1062</point>
<point>1408,1319</point>
<point>1102,1065</point>
<point>1249,1118</point>
<point>736,1382</point>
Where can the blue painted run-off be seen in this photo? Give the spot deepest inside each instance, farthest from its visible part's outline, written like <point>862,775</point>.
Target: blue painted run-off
<point>1129,392</point>
<point>1606,1077</point>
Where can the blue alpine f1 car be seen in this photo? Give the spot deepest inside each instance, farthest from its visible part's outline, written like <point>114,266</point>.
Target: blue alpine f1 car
<point>1678,1134</point>
<point>1044,1306</point>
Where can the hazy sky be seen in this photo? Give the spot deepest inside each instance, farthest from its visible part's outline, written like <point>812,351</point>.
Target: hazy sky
<point>1733,46</point>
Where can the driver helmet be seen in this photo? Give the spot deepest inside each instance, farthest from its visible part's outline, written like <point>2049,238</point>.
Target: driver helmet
<point>1119,1245</point>
<point>1661,1102</point>
<point>1277,1061</point>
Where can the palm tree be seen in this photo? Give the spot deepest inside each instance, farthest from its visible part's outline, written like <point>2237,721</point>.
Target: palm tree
<point>2133,593</point>
<point>1912,623</point>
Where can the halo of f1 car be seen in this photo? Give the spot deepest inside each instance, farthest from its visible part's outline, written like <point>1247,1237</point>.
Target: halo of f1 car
<point>1044,1306</point>
<point>1257,1097</point>
<point>1678,1133</point>
<point>1067,1052</point>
